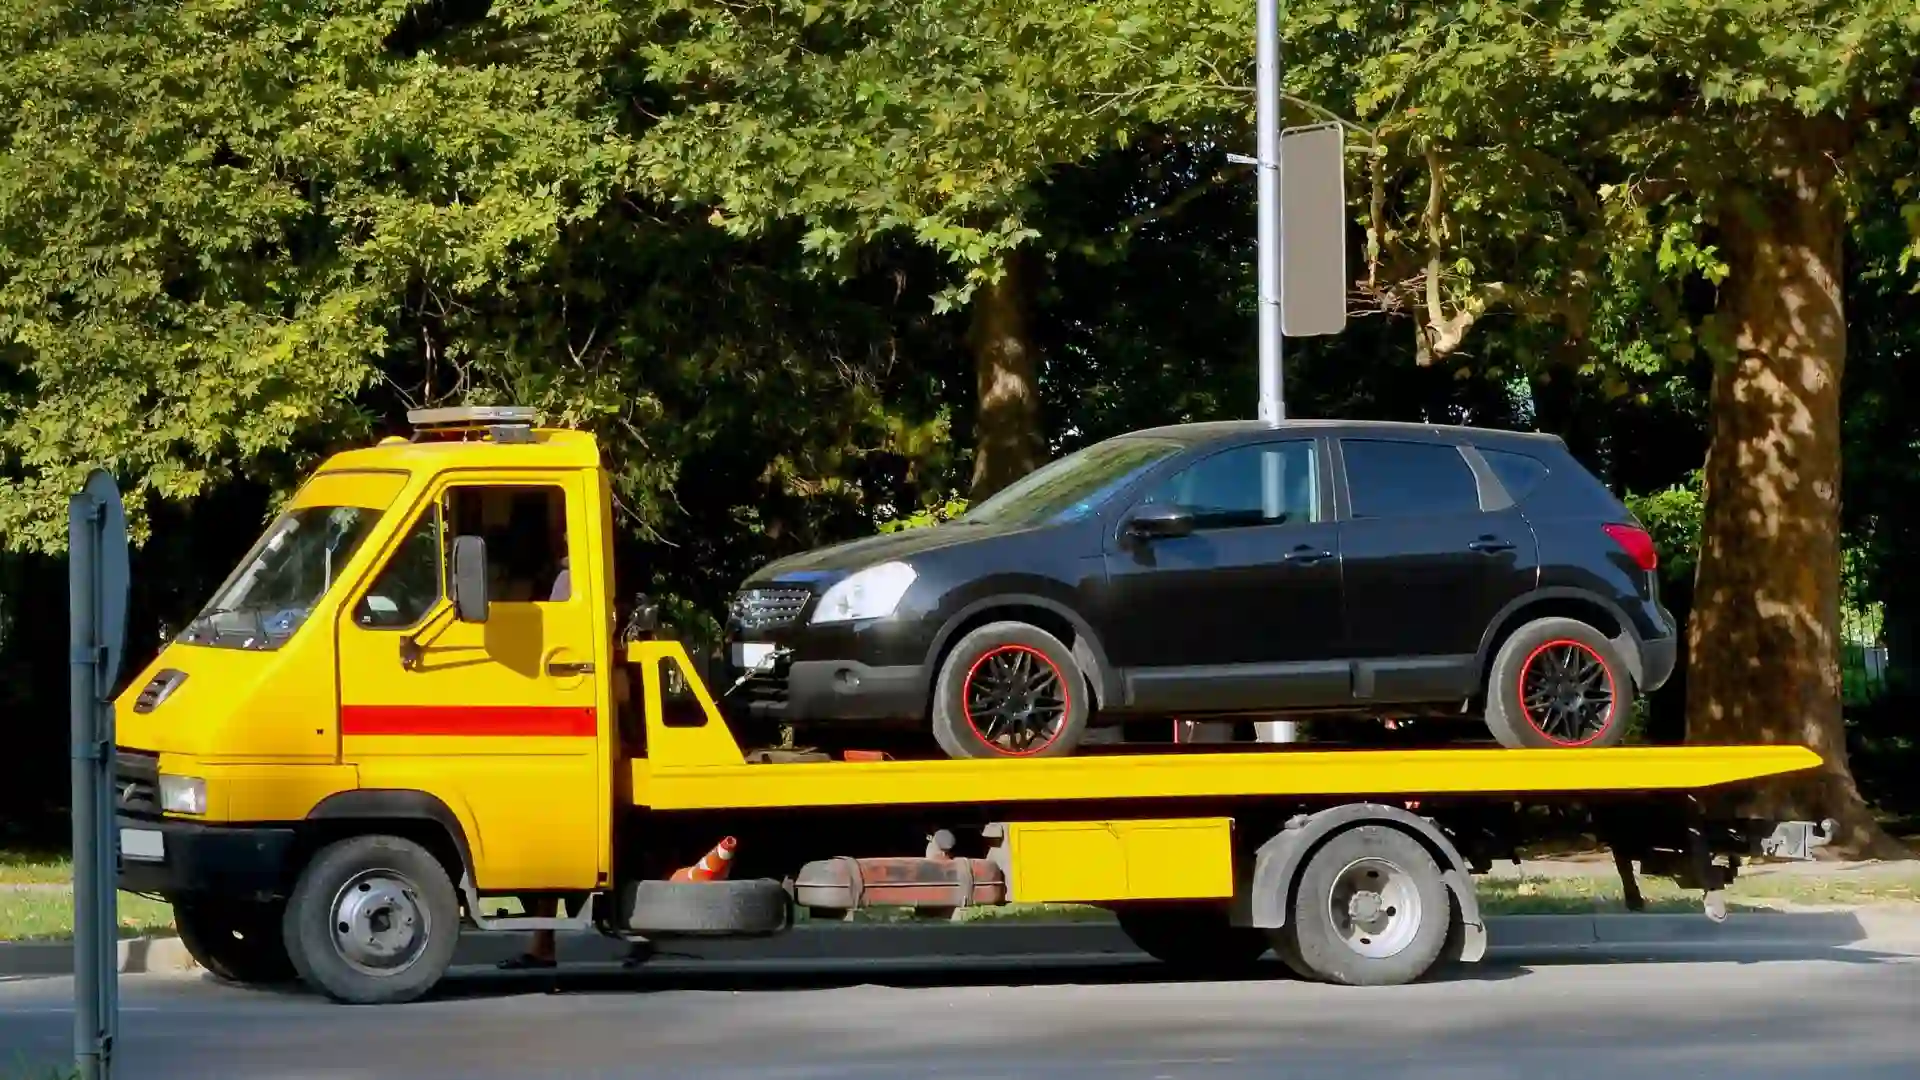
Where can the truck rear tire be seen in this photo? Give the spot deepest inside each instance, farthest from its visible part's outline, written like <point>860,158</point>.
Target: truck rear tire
<point>237,942</point>
<point>373,920</point>
<point>1010,689</point>
<point>1371,909</point>
<point>1194,939</point>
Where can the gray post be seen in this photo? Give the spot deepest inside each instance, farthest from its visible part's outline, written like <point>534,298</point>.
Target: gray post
<point>96,610</point>
<point>1267,118</point>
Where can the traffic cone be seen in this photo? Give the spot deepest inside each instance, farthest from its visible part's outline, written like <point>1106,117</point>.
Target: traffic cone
<point>713,866</point>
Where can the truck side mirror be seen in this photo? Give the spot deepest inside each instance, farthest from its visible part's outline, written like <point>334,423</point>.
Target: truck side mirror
<point>470,579</point>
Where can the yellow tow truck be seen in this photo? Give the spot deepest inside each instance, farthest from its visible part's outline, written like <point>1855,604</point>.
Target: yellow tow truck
<point>413,702</point>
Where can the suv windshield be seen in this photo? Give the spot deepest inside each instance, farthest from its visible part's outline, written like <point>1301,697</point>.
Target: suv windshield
<point>289,569</point>
<point>1073,486</point>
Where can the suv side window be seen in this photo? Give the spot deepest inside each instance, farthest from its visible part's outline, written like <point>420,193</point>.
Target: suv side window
<point>1263,484</point>
<point>1387,479</point>
<point>1518,473</point>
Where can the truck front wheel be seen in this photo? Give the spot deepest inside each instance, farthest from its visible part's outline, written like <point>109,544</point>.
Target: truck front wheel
<point>235,942</point>
<point>373,921</point>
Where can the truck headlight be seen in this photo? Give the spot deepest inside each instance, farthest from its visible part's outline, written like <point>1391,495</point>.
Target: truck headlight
<point>183,794</point>
<point>872,593</point>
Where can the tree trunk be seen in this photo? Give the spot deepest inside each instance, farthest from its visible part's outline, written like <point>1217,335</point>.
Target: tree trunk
<point>1764,663</point>
<point>1007,442</point>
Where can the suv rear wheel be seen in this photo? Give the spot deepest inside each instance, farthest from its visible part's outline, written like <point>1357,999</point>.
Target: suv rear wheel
<point>1557,684</point>
<point>1009,689</point>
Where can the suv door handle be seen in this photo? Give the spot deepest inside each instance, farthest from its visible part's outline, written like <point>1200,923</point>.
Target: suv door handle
<point>1488,545</point>
<point>1305,554</point>
<point>559,669</point>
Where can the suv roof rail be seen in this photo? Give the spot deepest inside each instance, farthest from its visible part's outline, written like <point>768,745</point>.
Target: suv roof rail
<point>498,423</point>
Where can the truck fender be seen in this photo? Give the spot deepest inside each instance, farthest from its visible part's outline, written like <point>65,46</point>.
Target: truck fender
<point>1277,864</point>
<point>398,804</point>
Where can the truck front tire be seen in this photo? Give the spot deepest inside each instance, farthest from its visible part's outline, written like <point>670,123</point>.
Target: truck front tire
<point>373,921</point>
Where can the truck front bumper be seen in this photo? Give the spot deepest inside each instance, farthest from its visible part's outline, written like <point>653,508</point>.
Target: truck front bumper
<point>182,858</point>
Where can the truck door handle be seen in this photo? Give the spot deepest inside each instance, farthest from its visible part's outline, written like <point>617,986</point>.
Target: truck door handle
<point>558,668</point>
<point>1305,554</point>
<point>1488,545</point>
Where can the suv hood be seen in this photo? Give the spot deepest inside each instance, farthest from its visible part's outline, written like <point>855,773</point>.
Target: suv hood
<point>838,560</point>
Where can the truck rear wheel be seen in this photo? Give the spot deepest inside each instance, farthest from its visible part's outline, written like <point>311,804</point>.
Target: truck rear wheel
<point>373,921</point>
<point>235,942</point>
<point>1195,939</point>
<point>1371,909</point>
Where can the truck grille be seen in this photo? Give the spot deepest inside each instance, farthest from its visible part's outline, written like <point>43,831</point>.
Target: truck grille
<point>136,782</point>
<point>765,609</point>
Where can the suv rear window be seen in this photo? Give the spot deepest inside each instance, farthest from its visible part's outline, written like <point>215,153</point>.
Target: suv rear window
<point>1408,479</point>
<point>1518,473</point>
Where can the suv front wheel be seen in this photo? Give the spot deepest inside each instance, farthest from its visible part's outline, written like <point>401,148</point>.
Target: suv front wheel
<point>1558,684</point>
<point>1009,689</point>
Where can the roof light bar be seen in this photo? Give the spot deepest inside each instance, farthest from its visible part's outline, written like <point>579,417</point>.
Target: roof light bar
<point>472,416</point>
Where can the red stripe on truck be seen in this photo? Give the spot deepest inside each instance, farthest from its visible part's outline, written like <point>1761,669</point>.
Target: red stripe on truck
<point>527,721</point>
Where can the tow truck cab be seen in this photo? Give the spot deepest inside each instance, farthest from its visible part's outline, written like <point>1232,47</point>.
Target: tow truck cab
<point>332,679</point>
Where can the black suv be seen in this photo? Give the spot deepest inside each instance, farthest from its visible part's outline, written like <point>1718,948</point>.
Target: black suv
<point>1229,570</point>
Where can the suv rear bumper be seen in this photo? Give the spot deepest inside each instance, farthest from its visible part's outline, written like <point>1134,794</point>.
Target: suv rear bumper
<point>1657,659</point>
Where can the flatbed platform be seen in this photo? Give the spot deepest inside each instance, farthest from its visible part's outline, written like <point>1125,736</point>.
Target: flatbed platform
<point>694,763</point>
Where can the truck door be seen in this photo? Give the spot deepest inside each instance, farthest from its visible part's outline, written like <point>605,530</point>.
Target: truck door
<point>502,720</point>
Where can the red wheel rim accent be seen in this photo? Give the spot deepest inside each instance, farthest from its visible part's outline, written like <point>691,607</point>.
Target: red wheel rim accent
<point>1567,693</point>
<point>1015,700</point>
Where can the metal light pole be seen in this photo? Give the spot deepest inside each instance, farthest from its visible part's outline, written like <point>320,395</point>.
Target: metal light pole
<point>97,577</point>
<point>1272,239</point>
<point>1272,230</point>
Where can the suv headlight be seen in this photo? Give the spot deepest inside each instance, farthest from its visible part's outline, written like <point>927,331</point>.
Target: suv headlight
<point>872,593</point>
<point>183,794</point>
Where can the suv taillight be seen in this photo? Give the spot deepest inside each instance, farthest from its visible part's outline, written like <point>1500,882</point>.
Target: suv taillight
<point>1636,543</point>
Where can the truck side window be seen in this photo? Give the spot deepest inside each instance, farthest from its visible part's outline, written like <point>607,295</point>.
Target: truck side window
<point>525,527</point>
<point>410,584</point>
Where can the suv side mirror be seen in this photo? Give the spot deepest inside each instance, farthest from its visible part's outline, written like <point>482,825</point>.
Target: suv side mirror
<point>470,579</point>
<point>1158,521</point>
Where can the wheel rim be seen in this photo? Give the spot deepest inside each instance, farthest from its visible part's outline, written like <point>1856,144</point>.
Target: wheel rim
<point>380,927</point>
<point>1015,700</point>
<point>1566,692</point>
<point>1374,906</point>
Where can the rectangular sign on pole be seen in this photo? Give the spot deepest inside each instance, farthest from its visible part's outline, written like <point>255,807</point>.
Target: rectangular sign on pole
<point>97,579</point>
<point>1314,211</point>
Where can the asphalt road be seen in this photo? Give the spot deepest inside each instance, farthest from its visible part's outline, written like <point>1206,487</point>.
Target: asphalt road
<point>1745,1010</point>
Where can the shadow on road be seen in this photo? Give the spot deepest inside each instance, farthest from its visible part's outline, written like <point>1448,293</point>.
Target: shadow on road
<point>1012,972</point>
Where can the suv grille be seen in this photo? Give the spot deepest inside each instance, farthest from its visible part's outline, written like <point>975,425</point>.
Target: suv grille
<point>136,782</point>
<point>765,609</point>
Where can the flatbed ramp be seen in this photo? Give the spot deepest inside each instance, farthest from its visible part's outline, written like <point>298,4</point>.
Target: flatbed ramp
<point>693,763</point>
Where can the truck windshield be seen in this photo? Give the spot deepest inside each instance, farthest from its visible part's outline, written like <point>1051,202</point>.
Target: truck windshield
<point>289,569</point>
<point>1073,486</point>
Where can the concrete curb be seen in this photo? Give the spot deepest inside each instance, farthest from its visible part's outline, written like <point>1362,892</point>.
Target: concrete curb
<point>138,956</point>
<point>844,942</point>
